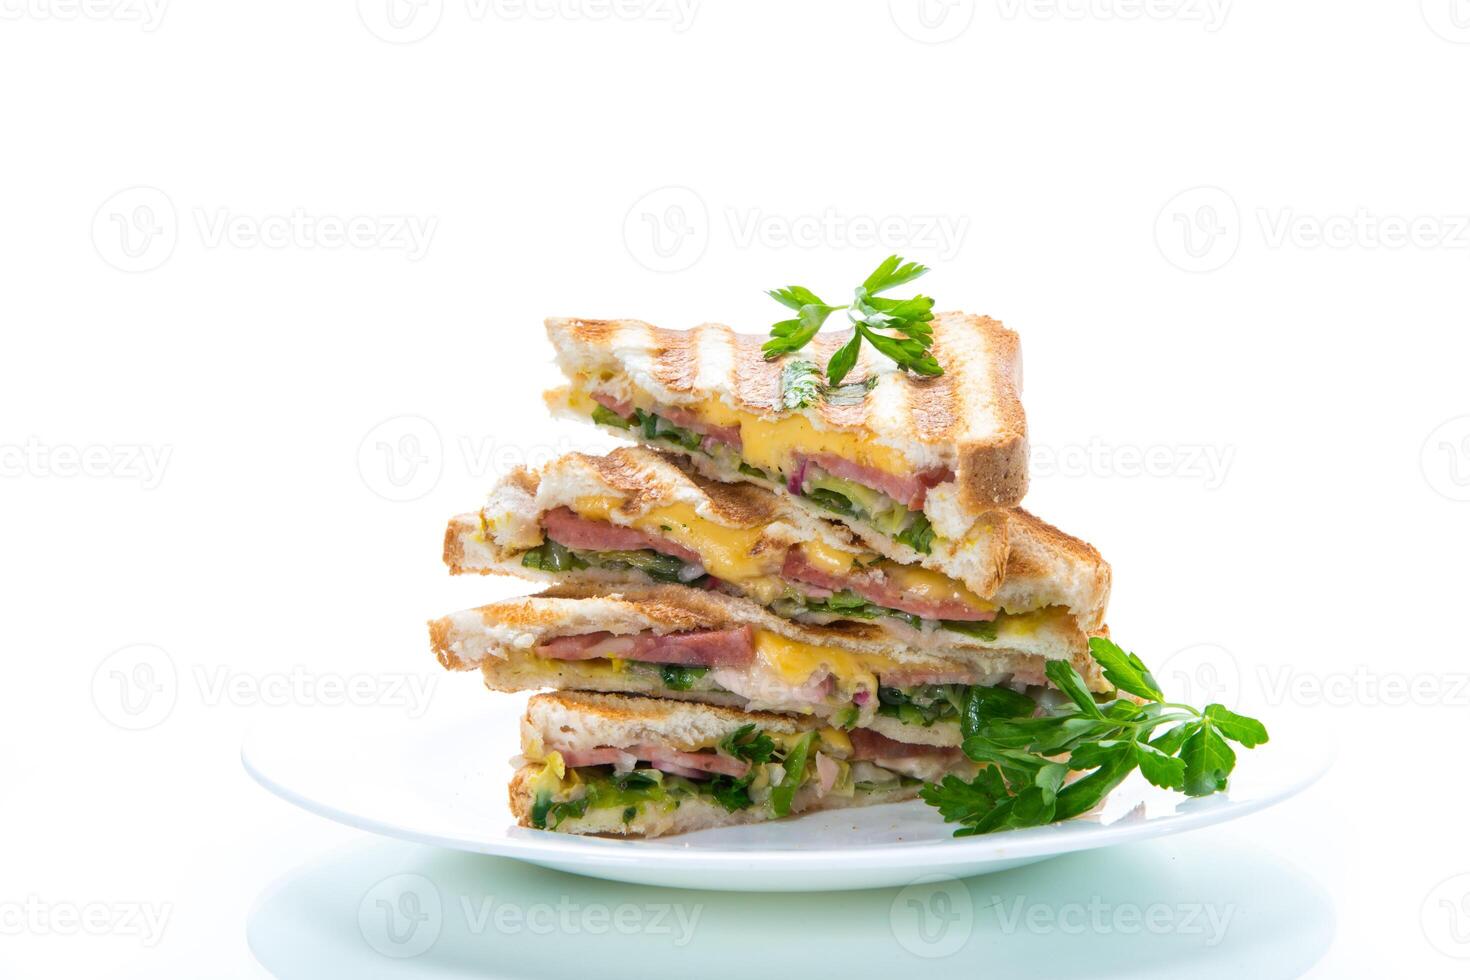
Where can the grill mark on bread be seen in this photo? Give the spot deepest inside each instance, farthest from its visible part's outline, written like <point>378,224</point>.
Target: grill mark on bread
<point>757,386</point>
<point>756,382</point>
<point>643,478</point>
<point>675,357</point>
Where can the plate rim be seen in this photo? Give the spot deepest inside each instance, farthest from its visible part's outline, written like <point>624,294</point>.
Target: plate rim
<point>1052,839</point>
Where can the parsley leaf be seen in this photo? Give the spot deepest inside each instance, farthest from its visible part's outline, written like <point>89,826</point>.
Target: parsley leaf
<point>749,744</point>
<point>1208,761</point>
<point>800,384</point>
<point>731,793</point>
<point>918,534</point>
<point>1237,728</point>
<point>897,328</point>
<point>1124,669</point>
<point>1027,754</point>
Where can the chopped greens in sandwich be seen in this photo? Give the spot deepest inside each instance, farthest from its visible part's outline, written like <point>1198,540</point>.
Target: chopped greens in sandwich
<point>777,673</point>
<point>750,768</point>
<point>554,557</point>
<point>810,581</point>
<point>857,492</point>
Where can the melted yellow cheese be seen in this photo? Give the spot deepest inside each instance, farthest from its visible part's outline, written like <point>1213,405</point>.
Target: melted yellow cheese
<point>770,444</point>
<point>834,561</point>
<point>577,399</point>
<point>932,586</point>
<point>833,741</point>
<point>1012,625</point>
<point>730,553</point>
<point>795,662</point>
<point>595,508</point>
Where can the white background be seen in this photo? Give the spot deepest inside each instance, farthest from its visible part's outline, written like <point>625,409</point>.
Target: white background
<point>1286,347</point>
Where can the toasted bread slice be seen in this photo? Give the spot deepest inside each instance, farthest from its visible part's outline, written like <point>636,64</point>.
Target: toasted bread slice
<point>968,420</point>
<point>1008,566</point>
<point>692,814</point>
<point>904,451</point>
<point>609,764</point>
<point>768,662</point>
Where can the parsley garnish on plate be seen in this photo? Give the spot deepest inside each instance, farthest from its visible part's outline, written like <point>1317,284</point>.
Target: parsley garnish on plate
<point>1030,758</point>
<point>897,328</point>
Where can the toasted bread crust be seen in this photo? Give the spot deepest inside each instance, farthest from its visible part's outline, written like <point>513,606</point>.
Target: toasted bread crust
<point>502,637</point>
<point>1008,555</point>
<point>968,419</point>
<point>642,478</point>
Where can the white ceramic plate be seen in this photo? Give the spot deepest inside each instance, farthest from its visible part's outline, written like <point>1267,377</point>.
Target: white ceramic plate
<point>441,779</point>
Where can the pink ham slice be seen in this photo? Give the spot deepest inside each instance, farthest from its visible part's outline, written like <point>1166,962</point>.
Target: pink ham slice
<point>876,588</point>
<point>660,757</point>
<point>869,745</point>
<point>702,648</point>
<point>727,434</point>
<point>623,409</point>
<point>580,534</point>
<point>908,490</point>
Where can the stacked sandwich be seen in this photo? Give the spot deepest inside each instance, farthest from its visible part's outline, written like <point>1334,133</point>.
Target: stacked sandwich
<point>786,597</point>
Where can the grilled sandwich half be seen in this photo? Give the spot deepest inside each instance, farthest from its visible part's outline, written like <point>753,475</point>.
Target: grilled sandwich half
<point>682,643</point>
<point>913,463</point>
<point>637,516</point>
<point>633,766</point>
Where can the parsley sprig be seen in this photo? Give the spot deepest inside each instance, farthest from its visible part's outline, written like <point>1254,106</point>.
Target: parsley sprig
<point>1029,758</point>
<point>897,328</point>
